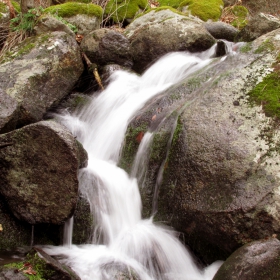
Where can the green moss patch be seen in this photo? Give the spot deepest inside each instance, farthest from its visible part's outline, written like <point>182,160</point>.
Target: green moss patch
<point>246,48</point>
<point>80,1</point>
<point>267,45</point>
<point>35,266</point>
<point>3,8</point>
<point>170,3</point>
<point>236,15</point>
<point>267,92</point>
<point>119,10</point>
<point>204,9</point>
<point>73,8</point>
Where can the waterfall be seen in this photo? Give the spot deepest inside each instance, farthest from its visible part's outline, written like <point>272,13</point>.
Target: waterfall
<point>123,243</point>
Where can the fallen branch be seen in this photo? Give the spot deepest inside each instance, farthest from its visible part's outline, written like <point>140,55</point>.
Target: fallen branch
<point>93,67</point>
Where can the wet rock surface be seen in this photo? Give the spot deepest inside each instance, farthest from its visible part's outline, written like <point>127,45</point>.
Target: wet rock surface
<point>220,176</point>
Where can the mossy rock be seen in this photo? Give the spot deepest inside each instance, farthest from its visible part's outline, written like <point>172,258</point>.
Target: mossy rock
<point>170,3</point>
<point>267,92</point>
<point>133,138</point>
<point>120,11</point>
<point>73,8</point>
<point>204,9</point>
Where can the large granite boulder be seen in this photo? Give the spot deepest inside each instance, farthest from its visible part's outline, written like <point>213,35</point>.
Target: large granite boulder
<point>105,46</point>
<point>257,26</point>
<point>84,17</point>
<point>159,32</point>
<point>37,75</point>
<point>258,260</point>
<point>213,163</point>
<point>38,171</point>
<point>17,236</point>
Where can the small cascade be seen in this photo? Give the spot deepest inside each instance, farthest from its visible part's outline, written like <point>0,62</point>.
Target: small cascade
<point>67,232</point>
<point>123,243</point>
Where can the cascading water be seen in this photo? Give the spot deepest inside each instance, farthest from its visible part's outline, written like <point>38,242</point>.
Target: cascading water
<point>122,241</point>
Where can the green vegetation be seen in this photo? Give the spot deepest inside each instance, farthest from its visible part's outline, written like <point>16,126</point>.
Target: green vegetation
<point>267,92</point>
<point>170,3</point>
<point>80,1</point>
<point>267,45</point>
<point>3,9</point>
<point>26,22</point>
<point>204,9</point>
<point>70,25</point>
<point>37,266</point>
<point>159,145</point>
<point>16,6</point>
<point>241,13</point>
<point>26,48</point>
<point>246,48</point>
<point>177,131</point>
<point>168,8</point>
<point>73,8</point>
<point>132,140</point>
<point>120,10</point>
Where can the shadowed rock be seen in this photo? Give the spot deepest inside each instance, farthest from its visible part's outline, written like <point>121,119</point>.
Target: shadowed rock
<point>258,260</point>
<point>38,171</point>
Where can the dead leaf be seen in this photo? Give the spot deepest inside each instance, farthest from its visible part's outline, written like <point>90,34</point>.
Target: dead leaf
<point>1,228</point>
<point>139,136</point>
<point>79,38</point>
<point>30,271</point>
<point>154,117</point>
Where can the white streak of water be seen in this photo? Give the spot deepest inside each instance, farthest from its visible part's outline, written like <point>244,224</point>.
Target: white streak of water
<point>141,159</point>
<point>122,238</point>
<point>67,232</point>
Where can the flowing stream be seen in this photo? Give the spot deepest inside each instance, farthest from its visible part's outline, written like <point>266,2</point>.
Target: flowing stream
<point>123,244</point>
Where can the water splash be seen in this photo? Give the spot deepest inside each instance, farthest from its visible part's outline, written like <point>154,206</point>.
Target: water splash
<point>123,242</point>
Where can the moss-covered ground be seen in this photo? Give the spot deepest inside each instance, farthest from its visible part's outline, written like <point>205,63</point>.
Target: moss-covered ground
<point>35,265</point>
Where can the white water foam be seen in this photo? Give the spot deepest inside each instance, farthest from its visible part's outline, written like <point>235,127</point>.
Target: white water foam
<point>122,240</point>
